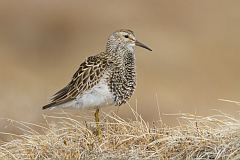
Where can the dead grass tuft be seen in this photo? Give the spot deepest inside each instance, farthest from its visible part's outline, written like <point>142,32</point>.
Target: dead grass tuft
<point>196,137</point>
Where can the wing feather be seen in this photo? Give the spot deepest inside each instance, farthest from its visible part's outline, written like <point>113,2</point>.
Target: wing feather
<point>88,75</point>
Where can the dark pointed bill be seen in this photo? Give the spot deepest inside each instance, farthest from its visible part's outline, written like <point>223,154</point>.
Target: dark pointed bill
<point>142,45</point>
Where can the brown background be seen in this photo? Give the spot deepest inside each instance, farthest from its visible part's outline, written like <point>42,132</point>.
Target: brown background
<point>195,58</point>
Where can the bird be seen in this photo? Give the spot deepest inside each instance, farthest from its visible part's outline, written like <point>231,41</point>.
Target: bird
<point>105,79</point>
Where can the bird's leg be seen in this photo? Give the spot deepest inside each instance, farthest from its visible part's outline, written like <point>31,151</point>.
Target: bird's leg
<point>98,131</point>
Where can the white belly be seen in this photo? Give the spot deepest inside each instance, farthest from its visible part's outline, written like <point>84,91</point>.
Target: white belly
<point>98,96</point>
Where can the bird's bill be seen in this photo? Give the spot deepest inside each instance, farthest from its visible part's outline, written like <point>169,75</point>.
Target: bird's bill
<point>142,45</point>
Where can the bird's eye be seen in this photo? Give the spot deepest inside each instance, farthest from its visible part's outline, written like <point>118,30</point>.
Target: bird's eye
<point>126,36</point>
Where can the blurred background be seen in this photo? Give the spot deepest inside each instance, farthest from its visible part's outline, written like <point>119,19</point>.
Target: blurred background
<point>195,58</point>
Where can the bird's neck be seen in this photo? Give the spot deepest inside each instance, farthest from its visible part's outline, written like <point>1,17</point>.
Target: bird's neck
<point>120,53</point>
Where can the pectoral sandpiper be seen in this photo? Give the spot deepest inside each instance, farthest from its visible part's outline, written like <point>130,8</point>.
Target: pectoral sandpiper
<point>108,78</point>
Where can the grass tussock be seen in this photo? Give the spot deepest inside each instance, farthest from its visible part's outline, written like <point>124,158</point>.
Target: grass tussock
<point>213,137</point>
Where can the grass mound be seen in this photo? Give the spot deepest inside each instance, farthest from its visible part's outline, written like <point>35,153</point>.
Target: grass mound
<point>213,137</point>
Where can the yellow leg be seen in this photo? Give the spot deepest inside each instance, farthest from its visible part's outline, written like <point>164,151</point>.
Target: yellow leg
<point>98,130</point>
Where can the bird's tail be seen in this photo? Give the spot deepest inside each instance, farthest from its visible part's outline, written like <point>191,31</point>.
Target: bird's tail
<point>59,104</point>
<point>50,105</point>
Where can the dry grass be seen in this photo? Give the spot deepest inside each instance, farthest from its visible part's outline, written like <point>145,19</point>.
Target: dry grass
<point>213,137</point>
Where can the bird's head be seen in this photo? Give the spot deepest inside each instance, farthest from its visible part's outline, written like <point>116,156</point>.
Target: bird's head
<point>123,39</point>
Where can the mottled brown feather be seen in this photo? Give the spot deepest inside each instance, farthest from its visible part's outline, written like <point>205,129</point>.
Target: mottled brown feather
<point>88,75</point>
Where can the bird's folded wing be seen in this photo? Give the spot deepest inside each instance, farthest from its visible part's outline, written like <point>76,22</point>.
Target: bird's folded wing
<point>88,75</point>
